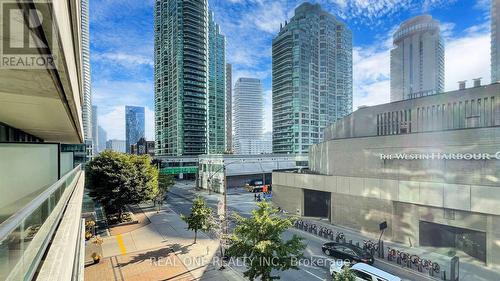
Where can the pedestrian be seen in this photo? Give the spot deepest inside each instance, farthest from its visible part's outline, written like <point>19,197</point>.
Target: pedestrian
<point>255,197</point>
<point>208,250</point>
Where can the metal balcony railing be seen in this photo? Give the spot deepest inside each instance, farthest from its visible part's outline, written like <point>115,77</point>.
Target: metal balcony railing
<point>25,236</point>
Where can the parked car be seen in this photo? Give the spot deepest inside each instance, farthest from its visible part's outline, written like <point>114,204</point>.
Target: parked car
<point>363,272</point>
<point>345,251</point>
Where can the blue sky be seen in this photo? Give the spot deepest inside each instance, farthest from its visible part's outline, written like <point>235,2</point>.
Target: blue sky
<point>122,46</point>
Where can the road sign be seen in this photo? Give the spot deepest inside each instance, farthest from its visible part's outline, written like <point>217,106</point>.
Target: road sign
<point>179,170</point>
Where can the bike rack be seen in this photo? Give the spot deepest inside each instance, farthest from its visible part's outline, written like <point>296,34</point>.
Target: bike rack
<point>380,250</point>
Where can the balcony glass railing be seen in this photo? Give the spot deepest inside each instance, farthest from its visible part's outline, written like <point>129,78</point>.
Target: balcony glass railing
<point>25,235</point>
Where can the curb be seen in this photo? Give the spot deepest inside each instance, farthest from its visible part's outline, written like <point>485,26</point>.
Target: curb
<point>423,276</point>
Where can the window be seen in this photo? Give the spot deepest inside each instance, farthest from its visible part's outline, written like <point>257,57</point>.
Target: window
<point>362,275</point>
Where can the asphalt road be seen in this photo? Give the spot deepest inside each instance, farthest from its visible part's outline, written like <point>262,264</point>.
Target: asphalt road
<point>315,265</point>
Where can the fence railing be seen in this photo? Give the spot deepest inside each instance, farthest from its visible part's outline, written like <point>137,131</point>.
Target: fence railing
<point>25,235</point>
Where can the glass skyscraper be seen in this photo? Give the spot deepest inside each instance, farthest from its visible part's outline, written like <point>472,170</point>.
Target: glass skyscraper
<point>134,125</point>
<point>229,108</point>
<point>216,88</point>
<point>189,79</point>
<point>312,78</point>
<point>248,115</point>
<point>417,60</point>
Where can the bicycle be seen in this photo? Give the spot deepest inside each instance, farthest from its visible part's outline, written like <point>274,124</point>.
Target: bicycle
<point>391,253</point>
<point>416,261</point>
<point>340,237</point>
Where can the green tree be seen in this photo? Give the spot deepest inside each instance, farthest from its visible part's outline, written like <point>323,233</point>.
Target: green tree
<point>259,240</point>
<point>345,275</point>
<point>117,179</point>
<point>165,182</point>
<point>200,217</point>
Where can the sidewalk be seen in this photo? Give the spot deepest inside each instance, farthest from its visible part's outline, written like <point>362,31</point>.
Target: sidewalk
<point>470,269</point>
<point>160,250</point>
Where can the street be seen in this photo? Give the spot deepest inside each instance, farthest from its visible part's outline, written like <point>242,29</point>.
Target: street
<point>316,263</point>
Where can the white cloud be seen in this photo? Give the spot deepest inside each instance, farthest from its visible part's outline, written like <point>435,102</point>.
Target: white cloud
<point>268,17</point>
<point>466,57</point>
<point>124,59</point>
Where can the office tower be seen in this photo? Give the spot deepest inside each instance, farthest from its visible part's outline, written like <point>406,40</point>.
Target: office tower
<point>312,78</point>
<point>229,108</point>
<point>417,60</point>
<point>102,138</point>
<point>95,131</point>
<point>181,77</point>
<point>116,145</point>
<point>248,115</point>
<point>495,41</point>
<point>87,94</point>
<point>216,88</point>
<point>134,125</point>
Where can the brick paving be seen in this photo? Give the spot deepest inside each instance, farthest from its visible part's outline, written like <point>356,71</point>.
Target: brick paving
<point>139,216</point>
<point>150,265</point>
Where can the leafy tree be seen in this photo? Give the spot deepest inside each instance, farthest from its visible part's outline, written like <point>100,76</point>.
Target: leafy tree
<point>200,218</point>
<point>117,179</point>
<point>345,275</point>
<point>259,240</point>
<point>165,182</point>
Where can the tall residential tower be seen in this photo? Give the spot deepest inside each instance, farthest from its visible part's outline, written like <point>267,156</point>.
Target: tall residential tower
<point>216,88</point>
<point>134,125</point>
<point>248,115</point>
<point>312,78</point>
<point>417,60</point>
<point>87,94</point>
<point>189,79</point>
<point>229,108</point>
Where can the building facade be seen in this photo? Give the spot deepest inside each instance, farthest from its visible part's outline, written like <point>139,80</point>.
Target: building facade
<point>417,60</point>
<point>87,90</point>
<point>181,76</point>
<point>102,138</point>
<point>143,147</point>
<point>95,130</point>
<point>216,87</point>
<point>495,41</point>
<point>134,125</point>
<point>116,145</point>
<point>41,105</point>
<point>241,169</point>
<point>248,115</point>
<point>311,78</point>
<point>427,166</point>
<point>229,108</point>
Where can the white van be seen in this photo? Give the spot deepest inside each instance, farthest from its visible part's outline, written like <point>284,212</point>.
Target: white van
<point>363,272</point>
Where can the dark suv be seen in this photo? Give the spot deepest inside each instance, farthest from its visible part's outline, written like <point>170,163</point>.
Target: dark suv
<point>345,251</point>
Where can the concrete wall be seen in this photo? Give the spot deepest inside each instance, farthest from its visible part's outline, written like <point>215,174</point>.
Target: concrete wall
<point>360,157</point>
<point>363,203</point>
<point>363,122</point>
